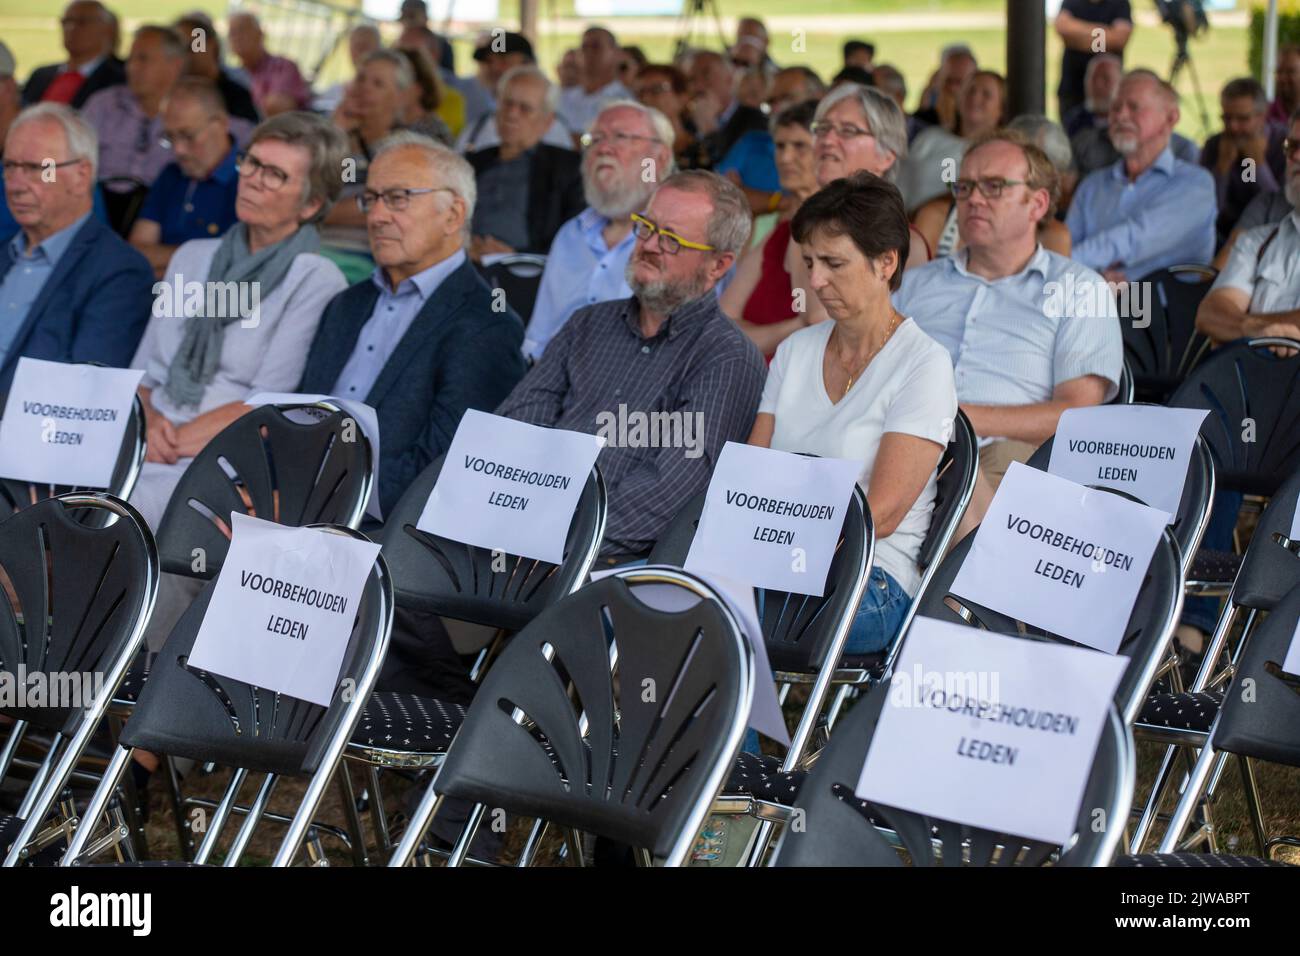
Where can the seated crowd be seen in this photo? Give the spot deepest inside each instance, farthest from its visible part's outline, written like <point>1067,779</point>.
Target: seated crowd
<point>698,218</point>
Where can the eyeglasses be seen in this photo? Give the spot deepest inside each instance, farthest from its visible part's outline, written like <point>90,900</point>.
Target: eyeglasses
<point>171,140</point>
<point>249,166</point>
<point>654,89</point>
<point>843,130</point>
<point>595,139</point>
<point>13,167</point>
<point>669,242</point>
<point>989,187</point>
<point>396,200</point>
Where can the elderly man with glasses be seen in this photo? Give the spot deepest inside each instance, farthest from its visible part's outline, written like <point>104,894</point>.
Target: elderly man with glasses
<point>70,289</point>
<point>194,196</point>
<point>91,65</point>
<point>1030,332</point>
<point>627,152</point>
<point>665,348</point>
<point>422,339</point>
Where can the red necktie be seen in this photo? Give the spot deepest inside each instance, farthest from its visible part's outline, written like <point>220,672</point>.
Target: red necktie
<point>64,87</point>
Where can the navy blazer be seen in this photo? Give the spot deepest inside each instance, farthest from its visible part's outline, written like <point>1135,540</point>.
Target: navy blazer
<point>93,307</point>
<point>109,73</point>
<point>458,353</point>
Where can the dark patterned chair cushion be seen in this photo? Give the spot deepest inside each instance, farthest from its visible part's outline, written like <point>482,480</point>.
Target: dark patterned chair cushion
<point>1219,567</point>
<point>408,723</point>
<point>1181,711</point>
<point>762,779</point>
<point>133,682</point>
<point>1194,860</point>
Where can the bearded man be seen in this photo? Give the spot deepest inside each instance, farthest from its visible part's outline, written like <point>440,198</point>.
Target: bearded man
<point>663,363</point>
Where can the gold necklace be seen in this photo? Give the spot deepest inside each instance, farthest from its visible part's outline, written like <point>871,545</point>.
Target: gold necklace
<point>893,324</point>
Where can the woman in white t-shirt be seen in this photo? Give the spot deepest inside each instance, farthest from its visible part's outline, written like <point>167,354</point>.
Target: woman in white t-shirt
<point>868,384</point>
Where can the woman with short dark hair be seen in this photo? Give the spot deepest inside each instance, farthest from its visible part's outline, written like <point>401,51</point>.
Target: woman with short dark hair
<point>867,384</point>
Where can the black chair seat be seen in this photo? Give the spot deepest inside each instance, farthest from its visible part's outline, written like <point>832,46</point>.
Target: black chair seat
<point>1181,711</point>
<point>9,827</point>
<point>1219,567</point>
<point>128,692</point>
<point>761,777</point>
<point>867,662</point>
<point>1194,861</point>
<point>408,723</point>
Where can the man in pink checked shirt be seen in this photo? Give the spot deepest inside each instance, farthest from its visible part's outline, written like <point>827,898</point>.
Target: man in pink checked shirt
<point>277,84</point>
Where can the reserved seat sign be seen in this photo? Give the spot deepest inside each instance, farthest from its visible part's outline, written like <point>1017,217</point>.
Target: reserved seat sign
<point>63,424</point>
<point>1060,556</point>
<point>1143,450</point>
<point>509,486</point>
<point>990,731</point>
<point>772,518</point>
<point>283,608</point>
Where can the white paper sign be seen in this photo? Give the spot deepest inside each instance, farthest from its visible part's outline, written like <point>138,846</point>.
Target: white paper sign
<point>764,708</point>
<point>1143,450</point>
<point>364,415</point>
<point>510,486</point>
<point>63,424</point>
<point>1292,663</point>
<point>772,518</point>
<point>1060,556</point>
<point>991,731</point>
<point>283,608</point>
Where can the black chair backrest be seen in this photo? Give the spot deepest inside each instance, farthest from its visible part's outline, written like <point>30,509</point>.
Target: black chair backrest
<point>659,734</point>
<point>267,465</point>
<point>1161,353</point>
<point>124,196</point>
<point>1261,713</point>
<point>1126,391</point>
<point>191,713</point>
<point>83,590</point>
<point>798,629</point>
<point>16,495</point>
<point>519,276</point>
<point>1147,632</point>
<point>1253,396</point>
<point>958,469</point>
<point>461,581</point>
<point>1193,508</point>
<point>836,833</point>
<point>1271,566</point>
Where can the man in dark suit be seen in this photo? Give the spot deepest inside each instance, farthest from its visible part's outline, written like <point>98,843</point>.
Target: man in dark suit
<point>719,116</point>
<point>204,46</point>
<point>423,338</point>
<point>70,289</point>
<point>527,189</point>
<point>88,37</point>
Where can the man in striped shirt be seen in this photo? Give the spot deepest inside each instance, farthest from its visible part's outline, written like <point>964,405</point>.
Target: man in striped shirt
<point>664,375</point>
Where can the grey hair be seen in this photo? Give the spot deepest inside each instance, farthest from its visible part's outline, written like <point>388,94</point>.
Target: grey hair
<point>167,38</point>
<point>326,147</point>
<point>1048,136</point>
<point>551,92</point>
<point>451,168</point>
<point>369,29</point>
<point>662,125</point>
<point>1099,60</point>
<point>730,220</point>
<point>884,117</point>
<point>82,141</point>
<point>402,72</point>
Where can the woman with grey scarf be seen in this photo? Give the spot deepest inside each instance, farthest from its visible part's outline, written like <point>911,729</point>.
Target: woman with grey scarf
<point>236,315</point>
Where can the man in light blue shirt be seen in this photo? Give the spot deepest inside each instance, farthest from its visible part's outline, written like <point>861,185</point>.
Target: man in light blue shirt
<point>1150,210</point>
<point>1031,333</point>
<point>32,268</point>
<point>630,152</point>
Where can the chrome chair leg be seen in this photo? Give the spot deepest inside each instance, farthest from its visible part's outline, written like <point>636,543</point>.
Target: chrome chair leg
<point>348,795</point>
<point>251,819</point>
<point>219,818</point>
<point>419,822</point>
<point>1251,792</point>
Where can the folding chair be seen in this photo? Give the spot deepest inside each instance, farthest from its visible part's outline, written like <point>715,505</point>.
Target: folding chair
<point>1164,351</point>
<point>84,591</point>
<point>268,465</point>
<point>123,204</point>
<point>842,830</point>
<point>1260,721</point>
<point>16,495</point>
<point>1126,392</point>
<point>191,713</point>
<point>605,715</point>
<point>1269,569</point>
<point>440,576</point>
<point>519,275</point>
<point>1253,397</point>
<point>804,635</point>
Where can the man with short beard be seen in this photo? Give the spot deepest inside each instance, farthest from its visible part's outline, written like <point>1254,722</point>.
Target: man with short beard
<point>626,153</point>
<point>1150,210</point>
<point>666,348</point>
<point>1258,291</point>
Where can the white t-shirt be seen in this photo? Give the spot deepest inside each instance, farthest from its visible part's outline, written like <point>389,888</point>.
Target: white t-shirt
<point>907,388</point>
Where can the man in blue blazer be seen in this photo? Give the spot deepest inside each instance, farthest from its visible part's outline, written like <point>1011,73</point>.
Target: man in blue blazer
<point>424,338</point>
<point>70,289</point>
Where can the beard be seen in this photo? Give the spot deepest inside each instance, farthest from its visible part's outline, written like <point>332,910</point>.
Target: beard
<point>625,195</point>
<point>666,296</point>
<point>1126,144</point>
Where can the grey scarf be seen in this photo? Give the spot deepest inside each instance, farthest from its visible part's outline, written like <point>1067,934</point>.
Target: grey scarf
<point>196,360</point>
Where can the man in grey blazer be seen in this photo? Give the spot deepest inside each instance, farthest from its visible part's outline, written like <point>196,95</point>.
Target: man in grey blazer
<point>423,338</point>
